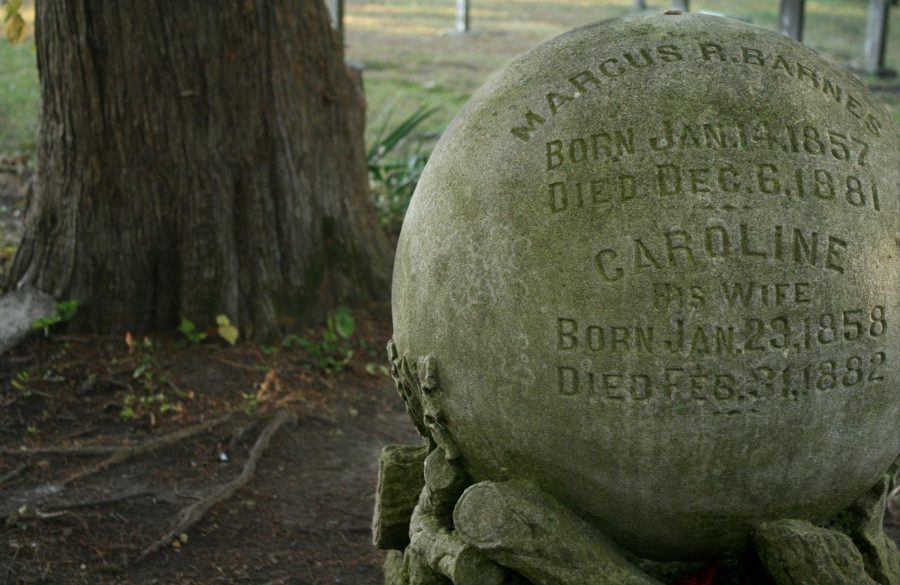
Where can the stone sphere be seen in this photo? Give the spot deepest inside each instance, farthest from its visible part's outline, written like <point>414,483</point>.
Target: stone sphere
<point>655,261</point>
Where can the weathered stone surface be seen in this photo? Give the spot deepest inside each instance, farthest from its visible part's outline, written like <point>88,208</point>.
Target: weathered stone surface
<point>445,481</point>
<point>396,571</point>
<point>419,571</point>
<point>519,527</point>
<point>796,552</point>
<point>656,261</point>
<point>18,310</point>
<point>400,481</point>
<point>863,522</point>
<point>446,553</point>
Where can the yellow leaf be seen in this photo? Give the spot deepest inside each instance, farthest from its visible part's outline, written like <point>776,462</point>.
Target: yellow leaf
<point>15,24</point>
<point>227,331</point>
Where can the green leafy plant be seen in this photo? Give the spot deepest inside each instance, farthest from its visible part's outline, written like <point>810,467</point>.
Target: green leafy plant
<point>249,402</point>
<point>335,351</point>
<point>134,404</point>
<point>150,398</point>
<point>189,331</point>
<point>20,381</point>
<point>374,369</point>
<point>65,310</point>
<point>396,159</point>
<point>339,323</point>
<point>144,371</point>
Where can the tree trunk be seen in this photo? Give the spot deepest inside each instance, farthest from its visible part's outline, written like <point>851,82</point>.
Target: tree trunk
<point>199,158</point>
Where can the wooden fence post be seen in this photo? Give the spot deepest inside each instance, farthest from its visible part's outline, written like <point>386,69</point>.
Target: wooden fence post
<point>876,37</point>
<point>336,8</point>
<point>462,16</point>
<point>790,18</point>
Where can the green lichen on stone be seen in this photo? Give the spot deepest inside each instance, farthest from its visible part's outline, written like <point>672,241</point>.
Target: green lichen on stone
<point>863,523</point>
<point>796,552</point>
<point>396,571</point>
<point>400,481</point>
<point>656,259</point>
<point>520,527</point>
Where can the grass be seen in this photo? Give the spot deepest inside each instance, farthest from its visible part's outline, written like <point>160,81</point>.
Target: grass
<point>412,59</point>
<point>19,91</point>
<point>19,97</point>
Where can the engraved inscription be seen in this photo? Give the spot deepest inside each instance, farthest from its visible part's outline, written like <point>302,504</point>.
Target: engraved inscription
<point>674,295</point>
<point>744,387</point>
<point>804,139</point>
<point>780,334</point>
<point>759,182</point>
<point>604,145</point>
<point>628,63</point>
<point>830,88</point>
<point>671,136</point>
<point>678,248</point>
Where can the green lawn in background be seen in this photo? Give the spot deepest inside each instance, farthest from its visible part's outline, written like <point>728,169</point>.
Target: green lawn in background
<point>19,97</point>
<point>411,58</point>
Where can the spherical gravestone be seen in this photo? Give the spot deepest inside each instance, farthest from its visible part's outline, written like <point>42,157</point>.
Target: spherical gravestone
<point>656,262</point>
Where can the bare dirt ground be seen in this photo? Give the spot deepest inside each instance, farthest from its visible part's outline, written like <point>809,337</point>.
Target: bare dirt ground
<point>303,517</point>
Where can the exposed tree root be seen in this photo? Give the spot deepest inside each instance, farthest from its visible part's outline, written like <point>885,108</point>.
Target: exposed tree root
<point>12,474</point>
<point>193,513</point>
<point>124,453</point>
<point>120,453</point>
<point>85,451</point>
<point>68,506</point>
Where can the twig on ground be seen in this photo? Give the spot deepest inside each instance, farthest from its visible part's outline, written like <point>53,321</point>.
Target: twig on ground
<point>13,474</point>
<point>50,515</point>
<point>193,513</point>
<point>124,453</point>
<point>237,365</point>
<point>120,453</point>
<point>67,506</point>
<point>86,450</point>
<point>11,564</point>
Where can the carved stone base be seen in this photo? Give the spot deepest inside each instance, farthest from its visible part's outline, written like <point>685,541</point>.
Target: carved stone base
<point>442,530</point>
<point>512,533</point>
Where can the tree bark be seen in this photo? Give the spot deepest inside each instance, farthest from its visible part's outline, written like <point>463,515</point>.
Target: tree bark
<point>199,158</point>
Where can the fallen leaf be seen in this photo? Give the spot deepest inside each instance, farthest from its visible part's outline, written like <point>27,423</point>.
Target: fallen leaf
<point>227,331</point>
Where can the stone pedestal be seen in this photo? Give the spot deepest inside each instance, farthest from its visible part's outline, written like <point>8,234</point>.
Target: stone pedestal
<point>512,533</point>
